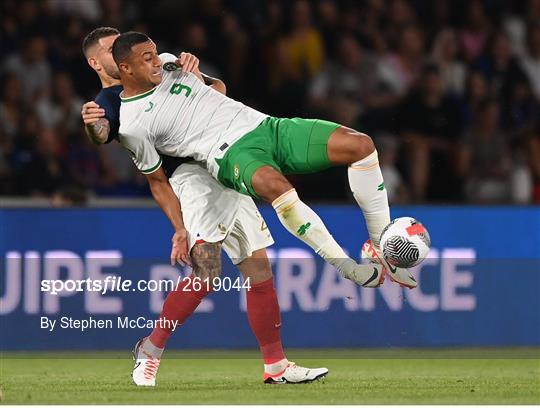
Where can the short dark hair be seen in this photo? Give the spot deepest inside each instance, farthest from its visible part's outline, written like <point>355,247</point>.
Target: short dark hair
<point>123,44</point>
<point>95,35</point>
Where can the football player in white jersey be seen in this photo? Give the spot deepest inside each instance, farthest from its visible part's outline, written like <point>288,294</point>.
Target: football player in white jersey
<point>168,111</point>
<point>214,217</point>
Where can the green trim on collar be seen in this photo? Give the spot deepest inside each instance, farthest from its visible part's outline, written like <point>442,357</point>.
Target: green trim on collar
<point>136,97</point>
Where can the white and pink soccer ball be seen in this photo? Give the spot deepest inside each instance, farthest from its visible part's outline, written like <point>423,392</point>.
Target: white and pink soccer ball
<point>405,242</point>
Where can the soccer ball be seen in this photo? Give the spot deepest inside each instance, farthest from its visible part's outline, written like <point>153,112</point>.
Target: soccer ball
<point>405,242</point>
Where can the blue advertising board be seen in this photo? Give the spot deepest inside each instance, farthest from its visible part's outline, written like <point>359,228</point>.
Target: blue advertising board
<point>479,286</point>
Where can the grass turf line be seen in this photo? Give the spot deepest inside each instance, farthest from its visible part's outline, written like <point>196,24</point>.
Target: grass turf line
<point>236,379</point>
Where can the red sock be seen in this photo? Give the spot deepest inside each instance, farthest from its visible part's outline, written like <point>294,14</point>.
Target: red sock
<point>265,320</point>
<point>178,305</point>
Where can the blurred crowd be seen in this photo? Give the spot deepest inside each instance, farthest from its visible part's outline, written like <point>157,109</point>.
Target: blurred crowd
<point>448,89</point>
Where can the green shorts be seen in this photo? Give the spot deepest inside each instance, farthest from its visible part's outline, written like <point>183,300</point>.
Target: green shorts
<point>291,146</point>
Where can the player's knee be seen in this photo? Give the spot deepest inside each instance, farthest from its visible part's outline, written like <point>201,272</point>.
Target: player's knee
<point>362,147</point>
<point>347,146</point>
<point>269,183</point>
<point>256,268</point>
<point>273,189</point>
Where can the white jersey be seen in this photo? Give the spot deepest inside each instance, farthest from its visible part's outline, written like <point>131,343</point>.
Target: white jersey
<point>182,117</point>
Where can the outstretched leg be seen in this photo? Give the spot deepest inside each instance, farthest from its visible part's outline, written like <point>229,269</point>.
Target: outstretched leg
<point>301,221</point>
<point>355,149</point>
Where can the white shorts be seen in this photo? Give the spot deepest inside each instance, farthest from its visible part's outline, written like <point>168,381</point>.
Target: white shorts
<point>214,213</point>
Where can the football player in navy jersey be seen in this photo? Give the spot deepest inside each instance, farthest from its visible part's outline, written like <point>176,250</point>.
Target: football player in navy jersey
<point>101,117</point>
<point>244,235</point>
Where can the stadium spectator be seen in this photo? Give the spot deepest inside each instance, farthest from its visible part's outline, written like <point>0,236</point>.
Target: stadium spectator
<point>61,109</point>
<point>300,55</point>
<point>484,160</point>
<point>532,13</point>
<point>45,173</point>
<point>118,175</point>
<point>400,69</point>
<point>338,91</point>
<point>196,42</point>
<point>399,15</point>
<point>84,165</point>
<point>475,34</point>
<point>476,91</point>
<point>24,145</point>
<point>10,105</point>
<point>430,125</point>
<point>534,162</point>
<point>501,67</point>
<point>514,26</point>
<point>329,20</point>
<point>10,118</point>
<point>366,23</point>
<point>233,43</point>
<point>388,147</point>
<point>119,13</point>
<point>31,19</point>
<point>531,60</point>
<point>31,67</point>
<point>438,13</point>
<point>520,110</point>
<point>89,10</point>
<point>301,51</point>
<point>271,30</point>
<point>445,55</point>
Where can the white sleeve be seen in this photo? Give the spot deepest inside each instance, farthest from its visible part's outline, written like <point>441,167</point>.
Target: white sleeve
<point>143,152</point>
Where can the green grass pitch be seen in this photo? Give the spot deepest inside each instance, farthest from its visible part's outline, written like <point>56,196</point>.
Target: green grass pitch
<point>466,376</point>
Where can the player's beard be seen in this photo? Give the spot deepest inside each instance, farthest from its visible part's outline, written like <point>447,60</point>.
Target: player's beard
<point>112,71</point>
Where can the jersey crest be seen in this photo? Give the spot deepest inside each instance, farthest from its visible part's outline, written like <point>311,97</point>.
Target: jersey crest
<point>170,66</point>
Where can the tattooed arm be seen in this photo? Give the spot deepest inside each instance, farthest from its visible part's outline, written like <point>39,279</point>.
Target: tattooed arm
<point>96,126</point>
<point>206,260</point>
<point>98,132</point>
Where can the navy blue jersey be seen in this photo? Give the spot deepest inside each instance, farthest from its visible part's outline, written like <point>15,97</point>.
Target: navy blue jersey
<point>109,100</point>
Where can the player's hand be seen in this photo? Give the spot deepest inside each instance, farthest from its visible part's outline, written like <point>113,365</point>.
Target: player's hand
<point>188,62</point>
<point>180,248</point>
<point>91,113</point>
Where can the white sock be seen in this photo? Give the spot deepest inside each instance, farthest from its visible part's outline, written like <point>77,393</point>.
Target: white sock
<point>305,224</point>
<point>276,367</point>
<point>150,349</point>
<point>367,186</point>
